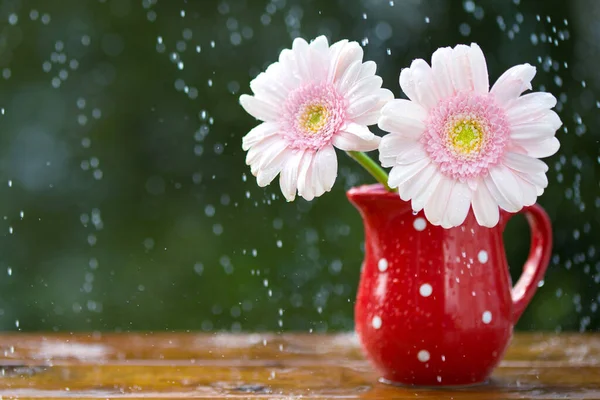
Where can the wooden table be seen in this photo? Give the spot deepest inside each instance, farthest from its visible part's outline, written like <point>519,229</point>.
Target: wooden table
<point>537,366</point>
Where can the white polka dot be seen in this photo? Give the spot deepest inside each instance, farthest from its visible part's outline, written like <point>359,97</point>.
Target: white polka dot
<point>482,256</point>
<point>425,290</point>
<point>376,322</point>
<point>420,224</point>
<point>383,264</point>
<point>486,317</point>
<point>423,356</point>
<point>439,378</point>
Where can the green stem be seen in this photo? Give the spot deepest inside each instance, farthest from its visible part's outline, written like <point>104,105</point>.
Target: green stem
<point>372,167</point>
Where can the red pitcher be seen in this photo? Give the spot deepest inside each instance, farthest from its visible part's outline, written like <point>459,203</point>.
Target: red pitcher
<point>435,306</point>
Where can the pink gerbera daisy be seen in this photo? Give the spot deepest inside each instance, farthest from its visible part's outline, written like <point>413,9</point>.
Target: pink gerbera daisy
<point>457,144</point>
<point>316,97</point>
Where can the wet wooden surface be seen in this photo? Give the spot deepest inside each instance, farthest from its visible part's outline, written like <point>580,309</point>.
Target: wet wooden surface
<point>537,366</point>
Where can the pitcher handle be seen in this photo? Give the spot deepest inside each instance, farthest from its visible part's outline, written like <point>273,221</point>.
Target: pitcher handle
<point>537,261</point>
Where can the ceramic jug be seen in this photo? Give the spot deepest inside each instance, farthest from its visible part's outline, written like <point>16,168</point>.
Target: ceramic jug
<point>435,306</point>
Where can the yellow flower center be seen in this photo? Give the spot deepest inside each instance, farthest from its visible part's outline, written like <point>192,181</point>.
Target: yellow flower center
<point>466,137</point>
<point>314,118</point>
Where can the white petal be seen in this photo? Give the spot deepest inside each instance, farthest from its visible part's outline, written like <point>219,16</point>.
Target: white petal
<point>288,180</point>
<point>372,116</point>
<point>403,117</point>
<point>271,152</point>
<point>319,57</point>
<point>355,137</point>
<point>539,149</point>
<point>256,152</point>
<point>424,84</point>
<point>529,191</point>
<point>318,188</point>
<point>458,207</point>
<point>396,149</point>
<point>342,55</point>
<point>360,131</point>
<point>473,183</point>
<point>497,195</point>
<point>306,184</point>
<point>368,69</point>
<point>348,142</point>
<point>270,86</point>
<point>326,166</point>
<point>479,72</point>
<point>302,58</point>
<point>286,59</point>
<point>272,165</point>
<point>532,131</point>
<point>362,106</point>
<point>438,202</point>
<point>389,146</point>
<point>285,73</point>
<point>305,188</point>
<point>524,163</point>
<point>440,67</point>
<point>320,44</point>
<point>550,117</point>
<point>512,83</point>
<point>400,174</point>
<point>259,133</point>
<point>335,50</point>
<point>410,153</point>
<point>417,83</point>
<point>530,107</point>
<point>254,168</point>
<point>369,118</point>
<point>422,197</point>
<point>401,108</point>
<point>467,69</point>
<point>460,68</point>
<point>407,84</point>
<point>348,78</point>
<point>417,184</point>
<point>485,207</point>
<point>258,108</point>
<point>508,187</point>
<point>364,87</point>
<point>539,180</point>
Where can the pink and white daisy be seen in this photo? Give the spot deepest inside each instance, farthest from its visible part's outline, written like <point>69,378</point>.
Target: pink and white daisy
<point>457,144</point>
<point>314,98</point>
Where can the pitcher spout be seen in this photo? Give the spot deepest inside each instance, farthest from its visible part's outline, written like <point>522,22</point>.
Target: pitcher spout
<point>374,200</point>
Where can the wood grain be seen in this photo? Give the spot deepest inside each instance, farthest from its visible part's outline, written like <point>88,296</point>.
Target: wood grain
<point>537,366</point>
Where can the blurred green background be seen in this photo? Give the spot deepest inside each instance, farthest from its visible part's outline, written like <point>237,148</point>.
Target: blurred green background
<point>125,200</point>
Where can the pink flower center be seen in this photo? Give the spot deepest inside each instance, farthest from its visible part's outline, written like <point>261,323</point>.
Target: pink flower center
<point>466,135</point>
<point>312,115</point>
